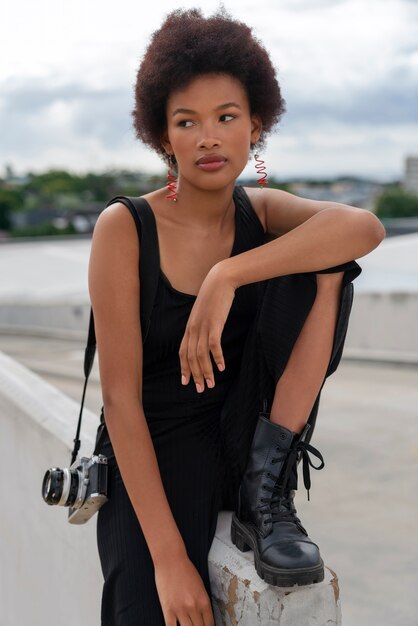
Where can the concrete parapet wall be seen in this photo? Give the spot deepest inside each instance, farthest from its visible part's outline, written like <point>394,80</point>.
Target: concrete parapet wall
<point>63,318</point>
<point>50,572</point>
<point>379,327</point>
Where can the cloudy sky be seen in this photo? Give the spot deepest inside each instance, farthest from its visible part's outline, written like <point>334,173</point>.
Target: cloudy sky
<point>348,70</point>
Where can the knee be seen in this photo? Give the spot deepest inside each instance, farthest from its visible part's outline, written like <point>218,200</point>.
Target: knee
<point>329,281</point>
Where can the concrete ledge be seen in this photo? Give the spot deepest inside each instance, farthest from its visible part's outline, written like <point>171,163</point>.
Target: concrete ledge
<point>65,317</point>
<point>379,329</point>
<point>382,322</point>
<point>241,597</point>
<point>370,355</point>
<point>50,571</point>
<point>46,561</point>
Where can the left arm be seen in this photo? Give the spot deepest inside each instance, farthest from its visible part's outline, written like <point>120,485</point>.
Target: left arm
<point>309,236</point>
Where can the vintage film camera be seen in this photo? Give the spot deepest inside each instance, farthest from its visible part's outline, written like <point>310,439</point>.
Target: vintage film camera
<point>82,487</point>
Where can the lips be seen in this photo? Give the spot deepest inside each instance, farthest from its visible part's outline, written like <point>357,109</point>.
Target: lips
<point>211,158</point>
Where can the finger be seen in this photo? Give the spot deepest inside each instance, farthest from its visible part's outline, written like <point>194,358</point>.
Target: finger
<point>171,620</point>
<point>184,363</point>
<point>185,620</point>
<point>196,618</point>
<point>201,613</point>
<point>208,617</point>
<point>194,361</point>
<point>216,348</point>
<point>205,363</point>
<point>196,371</point>
<point>179,621</point>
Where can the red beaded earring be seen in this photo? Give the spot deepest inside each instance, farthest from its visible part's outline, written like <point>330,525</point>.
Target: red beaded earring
<point>171,179</point>
<point>261,171</point>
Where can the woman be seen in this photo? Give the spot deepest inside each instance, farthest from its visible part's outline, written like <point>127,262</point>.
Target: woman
<point>210,413</point>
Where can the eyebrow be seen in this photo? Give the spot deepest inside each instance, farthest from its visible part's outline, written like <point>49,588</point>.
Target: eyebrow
<point>227,105</point>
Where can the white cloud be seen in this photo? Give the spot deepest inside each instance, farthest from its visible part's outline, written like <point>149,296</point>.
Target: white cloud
<point>348,71</point>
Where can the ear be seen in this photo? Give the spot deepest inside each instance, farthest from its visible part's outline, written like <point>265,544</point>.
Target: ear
<point>166,143</point>
<point>256,128</point>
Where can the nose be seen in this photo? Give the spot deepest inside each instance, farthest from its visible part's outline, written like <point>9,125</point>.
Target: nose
<point>208,138</point>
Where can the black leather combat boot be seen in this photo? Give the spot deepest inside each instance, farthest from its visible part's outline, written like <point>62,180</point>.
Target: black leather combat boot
<point>265,519</point>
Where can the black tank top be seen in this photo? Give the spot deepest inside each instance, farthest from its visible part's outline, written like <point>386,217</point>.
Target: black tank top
<point>164,397</point>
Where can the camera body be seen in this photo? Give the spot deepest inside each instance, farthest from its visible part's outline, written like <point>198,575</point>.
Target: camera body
<point>82,487</point>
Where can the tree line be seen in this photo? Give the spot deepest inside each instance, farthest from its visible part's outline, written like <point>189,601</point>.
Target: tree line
<point>62,193</point>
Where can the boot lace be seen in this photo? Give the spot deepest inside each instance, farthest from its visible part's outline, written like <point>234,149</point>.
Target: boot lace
<point>301,449</point>
<point>281,494</point>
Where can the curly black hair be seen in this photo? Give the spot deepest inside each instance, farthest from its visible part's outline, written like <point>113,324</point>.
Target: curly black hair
<point>188,45</point>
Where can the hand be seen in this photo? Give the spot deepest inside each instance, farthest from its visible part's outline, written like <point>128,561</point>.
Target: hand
<point>183,596</point>
<point>204,329</point>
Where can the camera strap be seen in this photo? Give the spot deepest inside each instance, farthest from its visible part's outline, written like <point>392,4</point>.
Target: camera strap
<point>150,261</point>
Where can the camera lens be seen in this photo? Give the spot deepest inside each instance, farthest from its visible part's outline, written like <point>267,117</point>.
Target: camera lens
<point>52,485</point>
<point>60,486</point>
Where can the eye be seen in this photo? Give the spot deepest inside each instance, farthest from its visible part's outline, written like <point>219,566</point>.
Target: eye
<point>183,123</point>
<point>227,115</point>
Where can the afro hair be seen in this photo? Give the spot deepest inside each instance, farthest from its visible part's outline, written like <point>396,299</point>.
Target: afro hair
<point>188,45</point>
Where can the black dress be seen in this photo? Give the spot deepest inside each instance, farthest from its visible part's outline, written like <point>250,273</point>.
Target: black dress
<point>202,440</point>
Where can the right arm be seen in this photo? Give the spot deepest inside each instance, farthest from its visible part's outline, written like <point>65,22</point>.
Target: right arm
<point>114,287</point>
<point>113,279</point>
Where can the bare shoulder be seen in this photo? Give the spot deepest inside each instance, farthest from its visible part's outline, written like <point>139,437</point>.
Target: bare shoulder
<point>115,221</point>
<point>281,210</point>
<point>114,254</point>
<point>157,198</point>
<point>114,288</point>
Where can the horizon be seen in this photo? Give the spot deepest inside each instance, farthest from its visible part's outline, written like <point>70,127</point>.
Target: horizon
<point>251,176</point>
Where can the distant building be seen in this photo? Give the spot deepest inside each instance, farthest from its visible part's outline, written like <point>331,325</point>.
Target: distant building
<point>410,182</point>
<point>354,192</point>
<point>11,178</point>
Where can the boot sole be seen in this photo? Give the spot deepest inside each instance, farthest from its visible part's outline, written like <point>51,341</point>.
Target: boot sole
<point>244,541</point>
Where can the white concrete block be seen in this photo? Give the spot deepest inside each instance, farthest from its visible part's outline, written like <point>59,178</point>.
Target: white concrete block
<point>242,598</point>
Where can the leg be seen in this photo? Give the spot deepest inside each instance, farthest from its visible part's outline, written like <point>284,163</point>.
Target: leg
<point>287,304</point>
<point>301,330</point>
<point>188,456</point>
<point>129,595</point>
<point>305,371</point>
<point>284,306</point>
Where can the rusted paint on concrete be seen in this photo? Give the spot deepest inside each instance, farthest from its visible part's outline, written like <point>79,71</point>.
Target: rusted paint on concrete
<point>334,584</point>
<point>256,596</point>
<point>232,599</point>
<point>228,607</point>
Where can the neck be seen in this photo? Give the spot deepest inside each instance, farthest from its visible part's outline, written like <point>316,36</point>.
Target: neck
<point>206,208</point>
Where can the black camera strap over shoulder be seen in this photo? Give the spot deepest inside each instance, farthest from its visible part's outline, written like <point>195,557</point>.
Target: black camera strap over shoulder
<point>149,266</point>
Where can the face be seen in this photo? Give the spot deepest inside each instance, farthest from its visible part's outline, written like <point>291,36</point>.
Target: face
<point>210,130</point>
